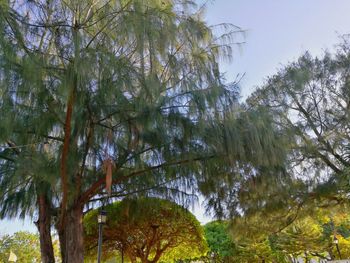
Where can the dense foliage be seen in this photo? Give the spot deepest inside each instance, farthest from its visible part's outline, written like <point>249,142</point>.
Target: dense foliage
<point>307,238</point>
<point>220,243</point>
<point>25,246</point>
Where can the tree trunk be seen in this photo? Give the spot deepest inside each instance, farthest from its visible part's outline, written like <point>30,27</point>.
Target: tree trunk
<point>71,236</point>
<point>62,240</point>
<point>44,227</point>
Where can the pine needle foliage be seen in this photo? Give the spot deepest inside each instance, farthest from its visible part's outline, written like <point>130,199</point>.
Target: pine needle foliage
<point>131,88</point>
<point>308,102</point>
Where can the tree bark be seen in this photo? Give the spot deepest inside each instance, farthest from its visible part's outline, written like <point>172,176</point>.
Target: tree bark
<point>71,236</point>
<point>44,228</point>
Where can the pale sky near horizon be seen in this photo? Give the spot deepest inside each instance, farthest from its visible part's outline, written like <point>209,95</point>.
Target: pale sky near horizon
<point>277,32</point>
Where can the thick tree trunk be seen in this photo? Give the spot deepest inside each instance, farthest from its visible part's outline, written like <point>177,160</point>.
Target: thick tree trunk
<point>44,228</point>
<point>71,236</point>
<point>62,240</point>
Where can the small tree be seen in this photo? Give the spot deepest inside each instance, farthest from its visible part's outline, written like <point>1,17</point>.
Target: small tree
<point>219,241</point>
<point>147,229</point>
<point>25,245</point>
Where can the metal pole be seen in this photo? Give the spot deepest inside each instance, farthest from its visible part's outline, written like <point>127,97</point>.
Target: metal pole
<point>122,255</point>
<point>99,243</point>
<point>338,250</point>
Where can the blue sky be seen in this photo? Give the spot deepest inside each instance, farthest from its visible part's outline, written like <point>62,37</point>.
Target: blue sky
<point>277,32</point>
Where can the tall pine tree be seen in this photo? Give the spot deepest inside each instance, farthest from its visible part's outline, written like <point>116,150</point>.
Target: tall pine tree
<point>122,95</point>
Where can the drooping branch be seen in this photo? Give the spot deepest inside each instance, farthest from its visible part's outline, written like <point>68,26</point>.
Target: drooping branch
<point>97,186</point>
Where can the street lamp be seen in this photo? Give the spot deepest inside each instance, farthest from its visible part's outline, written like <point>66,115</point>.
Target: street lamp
<point>101,220</point>
<point>122,253</point>
<point>336,242</point>
<point>102,217</point>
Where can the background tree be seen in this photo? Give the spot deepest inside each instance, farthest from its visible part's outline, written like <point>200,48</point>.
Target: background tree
<point>147,229</point>
<point>227,245</point>
<point>335,223</point>
<point>309,236</point>
<point>221,245</point>
<point>122,95</point>
<point>303,239</point>
<point>310,101</point>
<point>25,245</point>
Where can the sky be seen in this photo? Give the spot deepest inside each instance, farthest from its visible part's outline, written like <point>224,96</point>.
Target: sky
<point>276,32</point>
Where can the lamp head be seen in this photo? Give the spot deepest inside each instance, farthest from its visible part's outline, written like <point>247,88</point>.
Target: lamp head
<point>335,240</point>
<point>102,217</point>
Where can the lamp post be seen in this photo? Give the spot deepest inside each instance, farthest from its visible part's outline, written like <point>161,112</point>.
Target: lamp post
<point>121,247</point>
<point>101,220</point>
<point>336,242</point>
